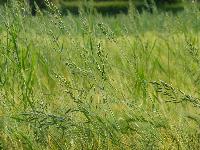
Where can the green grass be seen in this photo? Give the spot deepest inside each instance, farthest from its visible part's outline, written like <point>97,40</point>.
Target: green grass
<point>93,82</point>
<point>116,7</point>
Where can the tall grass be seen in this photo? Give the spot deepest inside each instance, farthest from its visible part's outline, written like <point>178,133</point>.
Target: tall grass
<point>99,82</point>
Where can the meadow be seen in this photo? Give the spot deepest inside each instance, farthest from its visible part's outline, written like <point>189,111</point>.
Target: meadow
<point>99,82</point>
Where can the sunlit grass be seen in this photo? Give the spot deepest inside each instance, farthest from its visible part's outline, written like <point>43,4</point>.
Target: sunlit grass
<point>99,82</point>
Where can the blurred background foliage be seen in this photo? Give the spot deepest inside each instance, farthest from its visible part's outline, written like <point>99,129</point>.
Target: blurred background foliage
<point>112,6</point>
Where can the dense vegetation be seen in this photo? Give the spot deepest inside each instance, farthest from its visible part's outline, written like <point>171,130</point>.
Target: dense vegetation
<point>93,82</point>
<point>107,6</point>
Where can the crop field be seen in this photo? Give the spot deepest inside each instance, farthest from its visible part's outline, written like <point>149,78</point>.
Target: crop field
<point>96,82</point>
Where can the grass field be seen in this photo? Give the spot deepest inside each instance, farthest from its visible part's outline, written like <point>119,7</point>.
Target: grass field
<point>98,82</point>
